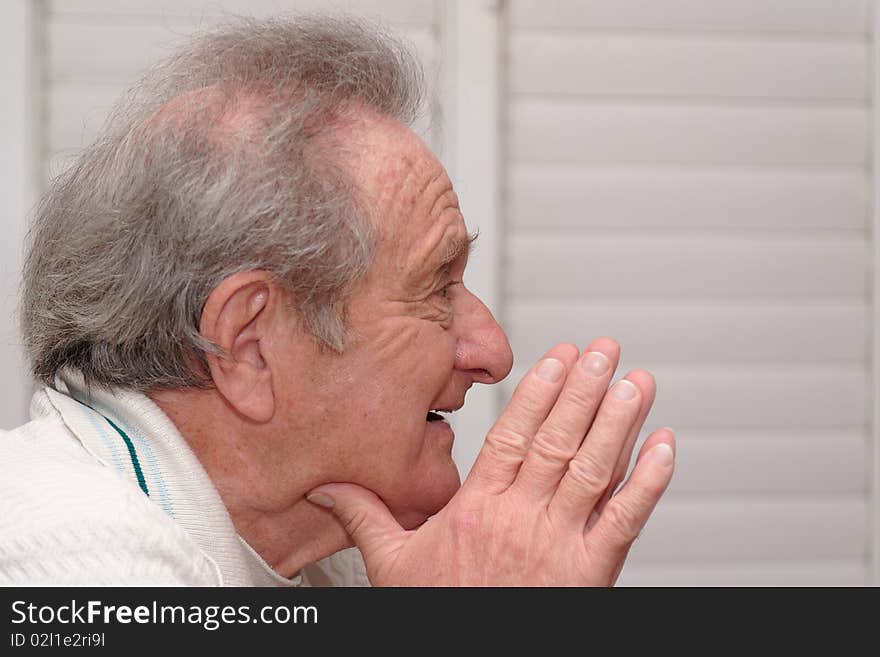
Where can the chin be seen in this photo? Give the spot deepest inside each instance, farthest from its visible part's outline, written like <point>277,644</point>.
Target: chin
<point>429,500</point>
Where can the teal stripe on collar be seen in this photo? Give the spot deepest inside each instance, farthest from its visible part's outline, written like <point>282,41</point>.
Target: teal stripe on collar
<point>133,454</point>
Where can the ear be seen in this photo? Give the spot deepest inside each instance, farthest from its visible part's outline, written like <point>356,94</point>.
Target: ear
<point>237,317</point>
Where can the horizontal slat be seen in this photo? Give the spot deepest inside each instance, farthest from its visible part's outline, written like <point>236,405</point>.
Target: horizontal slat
<point>548,63</point>
<point>117,53</point>
<point>607,133</point>
<point>768,462</point>
<point>721,397</point>
<point>811,16</point>
<point>544,197</point>
<point>853,572</point>
<point>676,332</point>
<point>721,528</point>
<point>577,266</point>
<point>398,11</point>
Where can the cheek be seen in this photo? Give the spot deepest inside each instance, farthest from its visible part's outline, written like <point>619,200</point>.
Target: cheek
<point>423,359</point>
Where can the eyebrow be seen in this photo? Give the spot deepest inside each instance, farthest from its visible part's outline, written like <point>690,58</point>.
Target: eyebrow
<point>454,248</point>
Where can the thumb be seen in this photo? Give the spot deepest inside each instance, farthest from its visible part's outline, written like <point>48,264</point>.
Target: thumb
<point>366,519</point>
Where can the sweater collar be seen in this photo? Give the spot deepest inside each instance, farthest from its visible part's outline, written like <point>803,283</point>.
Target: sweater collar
<point>126,430</point>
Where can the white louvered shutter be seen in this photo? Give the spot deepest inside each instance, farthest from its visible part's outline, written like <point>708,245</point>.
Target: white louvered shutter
<point>692,177</point>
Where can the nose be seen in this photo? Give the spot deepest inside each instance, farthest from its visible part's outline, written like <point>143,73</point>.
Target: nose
<point>482,349</point>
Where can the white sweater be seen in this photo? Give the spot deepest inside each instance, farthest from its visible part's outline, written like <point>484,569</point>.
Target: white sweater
<point>100,488</point>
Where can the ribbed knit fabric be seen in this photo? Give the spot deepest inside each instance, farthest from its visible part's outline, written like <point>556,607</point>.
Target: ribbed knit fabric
<point>100,488</point>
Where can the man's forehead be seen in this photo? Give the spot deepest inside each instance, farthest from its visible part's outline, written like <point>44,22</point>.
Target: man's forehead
<point>398,172</point>
<point>404,170</point>
<point>385,153</point>
<point>409,195</point>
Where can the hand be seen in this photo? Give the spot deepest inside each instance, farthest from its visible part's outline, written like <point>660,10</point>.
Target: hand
<point>538,507</point>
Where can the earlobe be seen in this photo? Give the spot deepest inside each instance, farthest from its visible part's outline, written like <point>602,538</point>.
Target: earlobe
<point>237,317</point>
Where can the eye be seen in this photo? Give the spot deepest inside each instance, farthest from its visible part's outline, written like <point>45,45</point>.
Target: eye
<point>443,292</point>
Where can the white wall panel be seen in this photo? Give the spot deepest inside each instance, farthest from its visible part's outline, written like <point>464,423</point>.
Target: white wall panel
<point>697,66</point>
<point>749,463</point>
<point>850,572</point>
<point>812,16</point>
<point>614,132</point>
<point>693,332</point>
<point>753,396</point>
<point>749,396</point>
<point>721,528</point>
<point>744,198</point>
<point>600,266</point>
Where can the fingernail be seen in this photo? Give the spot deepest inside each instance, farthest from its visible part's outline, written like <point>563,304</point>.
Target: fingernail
<point>595,363</point>
<point>661,454</point>
<point>321,499</point>
<point>550,370</point>
<point>624,390</point>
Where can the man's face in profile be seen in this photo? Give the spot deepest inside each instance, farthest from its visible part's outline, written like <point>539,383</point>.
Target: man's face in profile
<point>418,338</point>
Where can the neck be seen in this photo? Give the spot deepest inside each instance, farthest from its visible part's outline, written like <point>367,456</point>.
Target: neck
<point>267,507</point>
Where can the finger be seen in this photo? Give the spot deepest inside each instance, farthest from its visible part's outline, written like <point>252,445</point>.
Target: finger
<point>645,381</point>
<point>509,438</point>
<point>589,473</point>
<point>366,519</point>
<point>661,435</point>
<point>560,436</point>
<point>651,441</point>
<point>627,512</point>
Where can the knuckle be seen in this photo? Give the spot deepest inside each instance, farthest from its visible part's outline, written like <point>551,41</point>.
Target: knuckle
<point>588,474</point>
<point>554,443</point>
<point>580,396</point>
<point>507,441</point>
<point>621,521</point>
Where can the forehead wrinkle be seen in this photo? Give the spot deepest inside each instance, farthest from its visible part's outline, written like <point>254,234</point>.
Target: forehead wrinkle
<point>412,201</point>
<point>394,197</point>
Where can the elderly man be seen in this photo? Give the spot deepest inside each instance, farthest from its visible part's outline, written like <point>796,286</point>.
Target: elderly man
<point>245,303</point>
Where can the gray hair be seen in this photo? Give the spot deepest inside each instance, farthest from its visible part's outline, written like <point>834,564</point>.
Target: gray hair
<point>221,159</point>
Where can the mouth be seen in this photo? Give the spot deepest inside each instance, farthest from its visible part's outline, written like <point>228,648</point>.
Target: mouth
<point>435,416</point>
<point>437,426</point>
